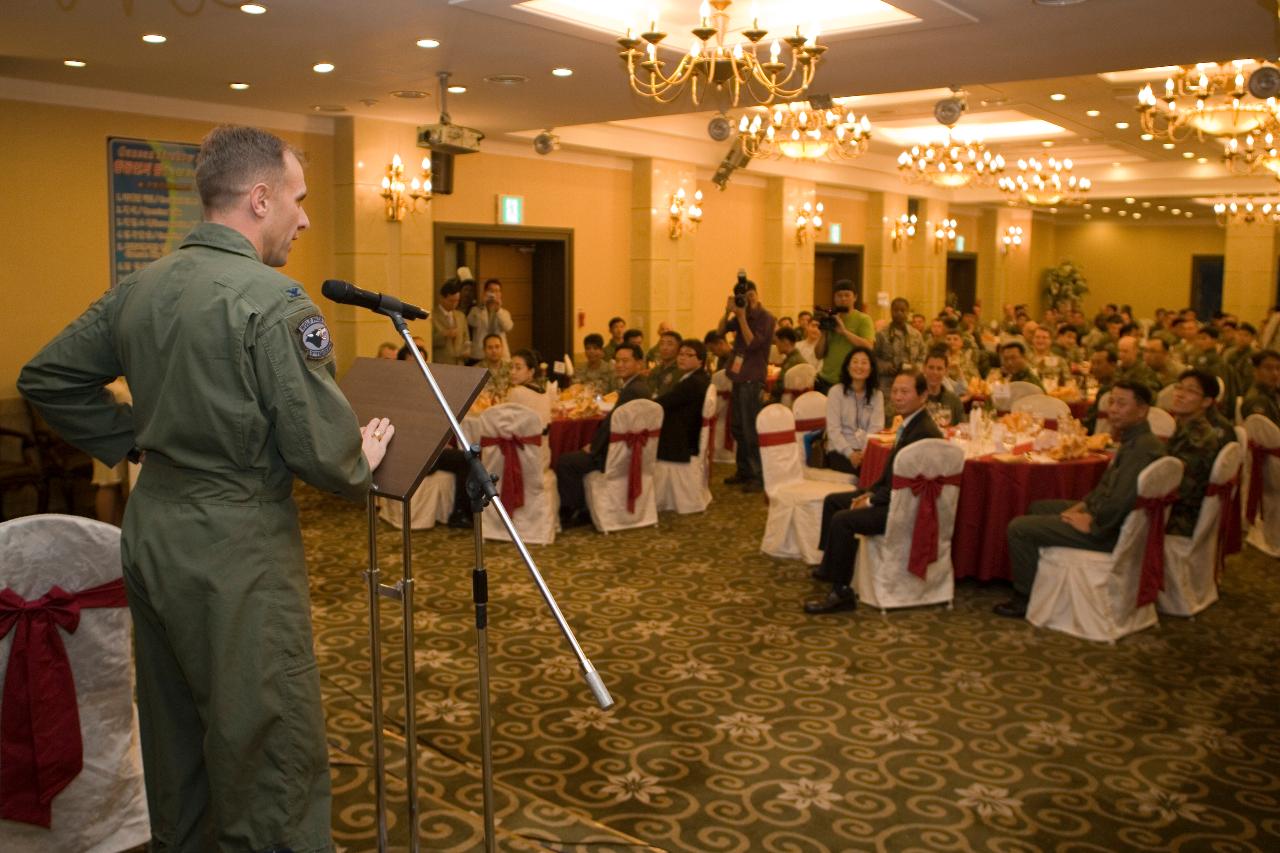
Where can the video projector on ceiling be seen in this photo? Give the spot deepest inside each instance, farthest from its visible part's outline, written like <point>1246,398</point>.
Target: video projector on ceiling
<point>449,138</point>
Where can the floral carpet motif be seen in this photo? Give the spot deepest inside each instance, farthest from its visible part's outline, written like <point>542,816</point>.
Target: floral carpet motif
<point>741,724</point>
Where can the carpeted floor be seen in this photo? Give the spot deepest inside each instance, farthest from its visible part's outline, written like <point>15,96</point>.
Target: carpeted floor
<point>742,724</point>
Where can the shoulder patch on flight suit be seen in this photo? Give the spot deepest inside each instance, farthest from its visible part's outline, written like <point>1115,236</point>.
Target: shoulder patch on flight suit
<point>293,292</point>
<point>314,337</point>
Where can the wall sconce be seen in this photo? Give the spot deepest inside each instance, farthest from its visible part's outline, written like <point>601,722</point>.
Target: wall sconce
<point>1011,240</point>
<point>902,230</point>
<point>944,234</point>
<point>401,200</point>
<point>808,222</point>
<point>685,215</point>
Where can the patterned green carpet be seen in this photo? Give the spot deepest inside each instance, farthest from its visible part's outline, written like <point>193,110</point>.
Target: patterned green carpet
<point>743,725</point>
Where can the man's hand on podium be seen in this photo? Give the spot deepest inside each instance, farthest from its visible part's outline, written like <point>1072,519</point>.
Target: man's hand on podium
<point>374,437</point>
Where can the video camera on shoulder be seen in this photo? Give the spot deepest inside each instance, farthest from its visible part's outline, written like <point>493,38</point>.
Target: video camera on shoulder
<point>828,318</point>
<point>740,290</point>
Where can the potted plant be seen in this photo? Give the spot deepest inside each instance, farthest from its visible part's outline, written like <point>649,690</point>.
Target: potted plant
<point>1065,285</point>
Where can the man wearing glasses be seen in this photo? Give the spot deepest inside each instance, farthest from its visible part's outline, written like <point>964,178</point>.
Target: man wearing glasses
<point>1196,442</point>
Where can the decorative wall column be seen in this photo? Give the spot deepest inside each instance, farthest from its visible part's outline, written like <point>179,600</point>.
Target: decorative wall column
<point>884,269</point>
<point>661,267</point>
<point>369,251</point>
<point>1249,270</point>
<point>1011,274</point>
<point>926,277</point>
<point>787,285</point>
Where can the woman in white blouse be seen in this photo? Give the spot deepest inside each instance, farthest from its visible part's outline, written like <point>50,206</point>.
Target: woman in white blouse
<point>524,388</point>
<point>855,409</point>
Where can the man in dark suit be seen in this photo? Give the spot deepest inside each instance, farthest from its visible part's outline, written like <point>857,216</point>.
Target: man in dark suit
<point>846,514</point>
<point>682,405</point>
<point>571,468</point>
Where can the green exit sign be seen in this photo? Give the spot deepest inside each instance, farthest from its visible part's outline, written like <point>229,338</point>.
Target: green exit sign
<point>835,232</point>
<point>510,210</point>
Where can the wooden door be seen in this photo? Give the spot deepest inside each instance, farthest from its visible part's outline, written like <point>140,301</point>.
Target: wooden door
<point>512,264</point>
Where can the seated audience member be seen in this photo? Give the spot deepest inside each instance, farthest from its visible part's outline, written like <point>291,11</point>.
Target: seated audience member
<point>1263,397</point>
<point>1205,352</point>
<point>597,374</point>
<point>1094,523</point>
<point>866,511</point>
<point>855,409</point>
<point>635,337</point>
<point>1068,346</point>
<point>1155,354</point>
<point>617,326</point>
<point>719,351</point>
<point>651,355</point>
<point>1240,361</point>
<point>785,342</point>
<point>499,368</point>
<point>1102,367</point>
<point>937,393</point>
<point>1043,360</point>
<point>682,405</point>
<point>1131,367</point>
<point>775,356</point>
<point>937,336</point>
<point>572,467</point>
<point>387,351</point>
<point>524,388</point>
<point>1014,367</point>
<point>807,346</point>
<point>666,372</point>
<point>1196,442</point>
<point>402,354</point>
<point>962,364</point>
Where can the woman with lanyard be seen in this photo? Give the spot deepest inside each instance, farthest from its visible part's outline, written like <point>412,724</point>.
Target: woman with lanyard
<point>855,409</point>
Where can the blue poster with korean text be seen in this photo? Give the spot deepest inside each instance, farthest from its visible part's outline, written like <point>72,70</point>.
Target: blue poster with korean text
<point>153,200</point>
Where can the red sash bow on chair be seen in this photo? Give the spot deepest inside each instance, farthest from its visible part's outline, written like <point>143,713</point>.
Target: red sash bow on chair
<point>773,439</point>
<point>1253,508</point>
<point>40,747</point>
<point>728,418</point>
<point>512,488</point>
<point>811,424</point>
<point>1229,534</point>
<point>636,442</point>
<point>924,539</point>
<point>1152,579</point>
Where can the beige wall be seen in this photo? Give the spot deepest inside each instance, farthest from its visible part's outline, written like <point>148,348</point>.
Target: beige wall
<point>731,236</point>
<point>53,216</point>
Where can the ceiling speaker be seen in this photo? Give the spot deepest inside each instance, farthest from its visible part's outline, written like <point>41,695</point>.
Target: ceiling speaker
<point>948,110</point>
<point>546,142</point>
<point>1264,82</point>
<point>719,128</point>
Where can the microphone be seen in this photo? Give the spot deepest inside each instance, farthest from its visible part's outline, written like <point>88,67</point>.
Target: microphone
<point>347,293</point>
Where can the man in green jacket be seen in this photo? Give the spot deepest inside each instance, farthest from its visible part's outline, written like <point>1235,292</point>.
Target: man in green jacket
<point>1196,442</point>
<point>852,328</point>
<point>231,368</point>
<point>1094,522</point>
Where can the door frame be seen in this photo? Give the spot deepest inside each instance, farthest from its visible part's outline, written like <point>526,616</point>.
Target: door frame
<point>963,256</point>
<point>848,249</point>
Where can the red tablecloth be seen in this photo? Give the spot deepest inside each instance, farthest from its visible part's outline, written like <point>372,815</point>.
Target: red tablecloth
<point>566,435</point>
<point>1079,408</point>
<point>993,493</point>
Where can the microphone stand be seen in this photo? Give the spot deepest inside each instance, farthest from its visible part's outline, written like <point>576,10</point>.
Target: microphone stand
<point>482,492</point>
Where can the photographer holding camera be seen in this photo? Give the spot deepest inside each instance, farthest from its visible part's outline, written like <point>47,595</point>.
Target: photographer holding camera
<point>753,328</point>
<point>489,318</point>
<point>843,328</point>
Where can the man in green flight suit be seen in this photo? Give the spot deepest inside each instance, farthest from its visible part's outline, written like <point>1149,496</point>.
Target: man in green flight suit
<point>231,369</point>
<point>1094,522</point>
<point>1196,442</point>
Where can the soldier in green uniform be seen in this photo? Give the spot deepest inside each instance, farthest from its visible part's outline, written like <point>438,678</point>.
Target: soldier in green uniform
<point>597,374</point>
<point>1102,369</point>
<point>1156,356</point>
<point>785,340</point>
<point>1093,523</point>
<point>1196,442</point>
<point>231,369</point>
<point>665,373</point>
<point>1132,367</point>
<point>1014,367</point>
<point>1264,395</point>
<point>617,326</point>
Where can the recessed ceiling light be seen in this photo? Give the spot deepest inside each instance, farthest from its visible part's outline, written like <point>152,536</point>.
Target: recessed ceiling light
<point>407,94</point>
<point>322,67</point>
<point>1088,216</point>
<point>1115,165</point>
<point>1161,208</point>
<point>1057,96</point>
<point>253,8</point>
<point>1088,206</point>
<point>1146,204</point>
<point>328,108</point>
<point>1176,211</point>
<point>74,63</point>
<point>1202,160</point>
<point>428,43</point>
<point>1137,215</point>
<point>506,79</point>
<point>1128,199</point>
<point>1167,146</point>
<point>1053,210</point>
<point>562,72</point>
<point>1093,113</point>
<point>238,86</point>
<point>1047,143</point>
<point>1146,137</point>
<point>1122,125</point>
<point>1106,210</point>
<point>1188,214</point>
<point>154,38</point>
<point>1188,154</point>
<point>1124,213</point>
<point>457,90</point>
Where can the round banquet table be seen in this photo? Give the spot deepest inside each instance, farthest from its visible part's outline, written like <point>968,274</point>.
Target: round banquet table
<point>993,493</point>
<point>565,435</point>
<point>1079,408</point>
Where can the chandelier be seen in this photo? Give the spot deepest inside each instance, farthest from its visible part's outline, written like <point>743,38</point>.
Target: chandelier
<point>1212,99</point>
<point>1045,183</point>
<point>797,131</point>
<point>951,164</point>
<point>1247,212</point>
<point>710,62</point>
<point>1255,153</point>
<point>399,198</point>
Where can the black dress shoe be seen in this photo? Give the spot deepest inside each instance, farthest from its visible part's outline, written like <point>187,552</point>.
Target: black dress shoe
<point>460,520</point>
<point>578,518</point>
<point>836,601</point>
<point>1014,608</point>
<point>735,480</point>
<point>821,574</point>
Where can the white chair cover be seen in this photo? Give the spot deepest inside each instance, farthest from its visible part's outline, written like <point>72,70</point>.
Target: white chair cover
<point>539,518</point>
<point>810,411</point>
<point>1265,532</point>
<point>1190,562</point>
<point>1042,405</point>
<point>607,491</point>
<point>1093,594</point>
<point>530,399</point>
<point>682,486</point>
<point>881,577</point>
<point>1164,399</point>
<point>1018,390</point>
<point>798,380</point>
<point>795,503</point>
<point>1104,421</point>
<point>429,505</point>
<point>1162,423</point>
<point>104,809</point>
<point>723,441</point>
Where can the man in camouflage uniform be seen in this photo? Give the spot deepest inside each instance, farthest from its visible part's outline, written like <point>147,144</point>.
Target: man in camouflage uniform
<point>1156,355</point>
<point>1043,360</point>
<point>1132,367</point>
<point>1196,442</point>
<point>898,345</point>
<point>597,374</point>
<point>231,369</point>
<point>665,373</point>
<point>1014,367</point>
<point>1264,395</point>
<point>499,368</point>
